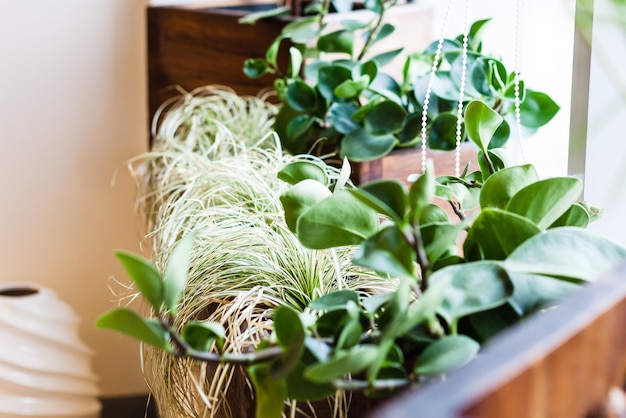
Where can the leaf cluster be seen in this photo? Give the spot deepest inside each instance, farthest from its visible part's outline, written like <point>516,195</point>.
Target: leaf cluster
<point>524,247</point>
<point>336,95</point>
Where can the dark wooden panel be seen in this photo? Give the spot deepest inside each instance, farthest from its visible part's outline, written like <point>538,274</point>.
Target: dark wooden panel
<point>194,47</point>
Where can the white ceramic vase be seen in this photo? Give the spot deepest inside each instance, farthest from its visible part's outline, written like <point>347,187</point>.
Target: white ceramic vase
<point>45,369</point>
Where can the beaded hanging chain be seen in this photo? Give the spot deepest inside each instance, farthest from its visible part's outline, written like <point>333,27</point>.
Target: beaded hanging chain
<point>436,60</point>
<point>459,114</point>
<point>430,84</point>
<point>517,104</point>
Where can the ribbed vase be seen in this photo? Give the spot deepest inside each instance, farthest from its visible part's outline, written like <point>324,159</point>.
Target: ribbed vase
<point>45,369</point>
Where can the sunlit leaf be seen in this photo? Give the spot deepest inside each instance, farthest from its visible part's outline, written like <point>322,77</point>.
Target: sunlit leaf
<point>131,324</point>
<point>176,271</point>
<point>481,122</point>
<point>537,109</point>
<point>544,201</point>
<point>145,276</point>
<point>340,219</point>
<point>300,198</point>
<point>572,253</point>
<point>335,299</point>
<point>497,233</point>
<point>498,189</point>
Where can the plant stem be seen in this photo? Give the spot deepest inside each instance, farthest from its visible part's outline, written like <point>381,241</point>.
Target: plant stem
<point>421,256</point>
<point>184,350</point>
<point>458,210</point>
<point>374,32</point>
<point>361,385</point>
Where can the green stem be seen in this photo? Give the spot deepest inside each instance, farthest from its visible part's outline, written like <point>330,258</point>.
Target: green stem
<point>374,32</point>
<point>421,256</point>
<point>361,385</point>
<point>184,350</point>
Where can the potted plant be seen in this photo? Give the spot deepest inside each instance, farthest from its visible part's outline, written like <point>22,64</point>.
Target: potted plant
<point>213,169</point>
<point>524,249</point>
<point>337,96</point>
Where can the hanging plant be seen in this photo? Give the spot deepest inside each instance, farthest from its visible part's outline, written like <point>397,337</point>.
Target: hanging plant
<point>337,97</point>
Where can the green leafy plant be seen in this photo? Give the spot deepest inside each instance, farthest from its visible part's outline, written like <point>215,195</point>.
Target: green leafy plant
<point>525,247</point>
<point>337,97</point>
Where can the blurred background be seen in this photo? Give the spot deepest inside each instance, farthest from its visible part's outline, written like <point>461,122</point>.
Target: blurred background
<point>73,111</point>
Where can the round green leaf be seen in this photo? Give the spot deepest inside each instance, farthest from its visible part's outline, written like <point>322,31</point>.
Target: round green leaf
<point>200,335</point>
<point>368,68</point>
<point>341,117</point>
<point>474,287</point>
<point>297,171</point>
<point>411,130</point>
<point>344,362</point>
<point>387,252</point>
<point>255,67</point>
<point>297,200</point>
<point>270,394</point>
<point>496,233</point>
<point>537,109</point>
<point>544,201</point>
<point>301,96</point>
<point>341,219</point>
<point>442,133</point>
<point>576,215</point>
<point>302,30</point>
<point>329,77</point>
<point>337,299</point>
<point>501,135</point>
<point>384,118</point>
<point>359,145</point>
<point>567,252</point>
<point>290,335</point>
<point>341,41</point>
<point>301,389</point>
<point>352,88</point>
<point>388,197</point>
<point>295,145</point>
<point>481,122</point>
<point>501,186</point>
<point>447,354</point>
<point>298,127</point>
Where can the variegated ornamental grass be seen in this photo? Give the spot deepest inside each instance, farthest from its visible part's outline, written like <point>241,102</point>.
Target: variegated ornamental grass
<point>213,169</point>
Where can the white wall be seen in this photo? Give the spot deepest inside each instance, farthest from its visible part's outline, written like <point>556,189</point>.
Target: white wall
<point>72,110</point>
<point>606,137</point>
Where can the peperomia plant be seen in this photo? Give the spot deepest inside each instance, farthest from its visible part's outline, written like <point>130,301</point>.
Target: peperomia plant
<point>524,246</point>
<point>337,97</point>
